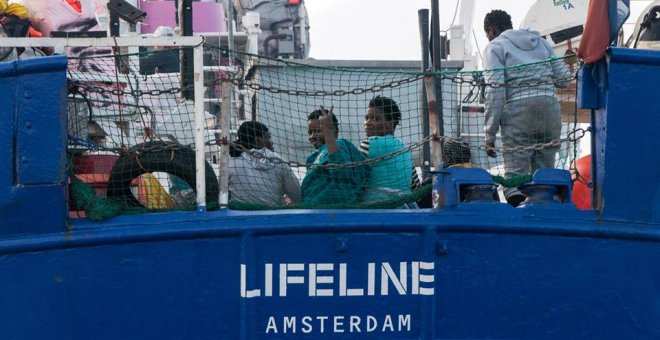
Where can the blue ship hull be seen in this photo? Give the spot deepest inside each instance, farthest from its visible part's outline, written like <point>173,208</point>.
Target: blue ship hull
<point>178,276</point>
<point>471,270</point>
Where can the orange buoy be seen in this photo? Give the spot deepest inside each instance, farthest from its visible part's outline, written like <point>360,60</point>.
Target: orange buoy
<point>582,192</point>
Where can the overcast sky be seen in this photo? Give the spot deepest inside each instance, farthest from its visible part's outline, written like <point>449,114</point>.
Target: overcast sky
<point>388,29</point>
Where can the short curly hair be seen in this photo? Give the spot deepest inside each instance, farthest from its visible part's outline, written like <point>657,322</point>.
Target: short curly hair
<point>388,106</point>
<point>499,19</point>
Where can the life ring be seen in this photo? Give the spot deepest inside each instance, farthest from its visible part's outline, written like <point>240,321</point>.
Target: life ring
<point>174,159</point>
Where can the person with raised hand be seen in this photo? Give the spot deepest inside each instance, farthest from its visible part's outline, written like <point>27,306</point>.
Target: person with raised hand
<point>331,180</point>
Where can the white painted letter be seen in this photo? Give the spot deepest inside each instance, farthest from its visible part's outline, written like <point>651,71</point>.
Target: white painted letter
<point>339,323</point>
<point>404,321</point>
<point>244,292</point>
<point>427,278</point>
<point>307,327</point>
<point>271,325</point>
<point>289,322</point>
<point>387,272</point>
<point>343,291</point>
<point>314,279</point>
<point>415,278</point>
<point>285,278</point>
<point>388,323</point>
<point>322,320</point>
<point>268,278</point>
<point>371,279</point>
<point>372,323</point>
<point>355,322</point>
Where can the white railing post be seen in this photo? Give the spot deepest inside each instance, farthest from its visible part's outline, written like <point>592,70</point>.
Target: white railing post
<point>200,162</point>
<point>224,147</point>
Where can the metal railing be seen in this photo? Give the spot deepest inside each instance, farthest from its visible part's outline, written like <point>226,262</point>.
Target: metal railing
<point>194,42</point>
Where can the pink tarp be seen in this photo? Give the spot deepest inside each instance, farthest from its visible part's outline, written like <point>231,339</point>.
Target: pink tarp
<point>207,16</point>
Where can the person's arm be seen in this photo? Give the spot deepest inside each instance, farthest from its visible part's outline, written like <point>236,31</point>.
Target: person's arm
<point>356,175</point>
<point>291,186</point>
<point>560,73</point>
<point>328,130</point>
<point>347,153</point>
<point>494,63</point>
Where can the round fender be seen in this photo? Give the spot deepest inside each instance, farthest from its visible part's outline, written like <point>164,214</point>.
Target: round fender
<point>174,159</point>
<point>581,191</point>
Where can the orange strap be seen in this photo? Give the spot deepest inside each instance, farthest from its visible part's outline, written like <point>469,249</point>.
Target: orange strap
<point>75,4</point>
<point>33,33</point>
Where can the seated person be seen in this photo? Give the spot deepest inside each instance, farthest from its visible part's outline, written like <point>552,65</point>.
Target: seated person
<point>253,175</point>
<point>393,175</point>
<point>454,155</point>
<point>323,185</point>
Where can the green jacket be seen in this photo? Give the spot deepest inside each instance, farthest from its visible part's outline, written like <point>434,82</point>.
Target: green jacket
<point>340,187</point>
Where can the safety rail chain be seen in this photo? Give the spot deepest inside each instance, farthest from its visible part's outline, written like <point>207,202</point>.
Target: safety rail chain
<point>476,80</point>
<point>393,84</point>
<point>572,137</point>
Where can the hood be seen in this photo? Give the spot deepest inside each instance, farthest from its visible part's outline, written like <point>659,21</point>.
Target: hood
<point>523,39</point>
<point>261,159</point>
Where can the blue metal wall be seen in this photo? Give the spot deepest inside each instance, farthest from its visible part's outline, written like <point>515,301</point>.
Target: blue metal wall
<point>625,153</point>
<point>178,276</point>
<point>32,145</point>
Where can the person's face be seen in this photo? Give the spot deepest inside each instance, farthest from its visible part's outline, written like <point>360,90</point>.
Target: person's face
<point>265,142</point>
<point>376,124</point>
<point>314,133</point>
<point>492,33</point>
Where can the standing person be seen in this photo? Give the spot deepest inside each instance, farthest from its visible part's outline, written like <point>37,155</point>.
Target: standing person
<point>391,176</point>
<point>324,184</point>
<point>528,114</point>
<point>254,175</point>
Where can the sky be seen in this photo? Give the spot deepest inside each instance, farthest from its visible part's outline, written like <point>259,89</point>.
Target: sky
<point>389,29</point>
<point>386,29</point>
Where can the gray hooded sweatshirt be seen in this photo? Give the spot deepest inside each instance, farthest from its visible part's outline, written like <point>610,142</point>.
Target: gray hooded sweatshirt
<point>255,178</point>
<point>511,50</point>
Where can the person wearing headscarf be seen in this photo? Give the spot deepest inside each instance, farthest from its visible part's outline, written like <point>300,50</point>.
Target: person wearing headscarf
<point>256,173</point>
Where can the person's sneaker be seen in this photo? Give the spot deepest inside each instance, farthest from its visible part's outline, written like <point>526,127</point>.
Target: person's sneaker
<point>513,196</point>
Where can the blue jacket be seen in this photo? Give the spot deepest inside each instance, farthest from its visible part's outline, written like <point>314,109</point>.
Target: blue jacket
<point>334,187</point>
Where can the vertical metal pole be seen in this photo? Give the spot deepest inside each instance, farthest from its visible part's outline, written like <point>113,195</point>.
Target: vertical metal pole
<point>430,82</point>
<point>423,17</point>
<point>230,27</point>
<point>223,199</point>
<point>186,22</point>
<point>303,31</point>
<point>435,34</point>
<point>437,67</point>
<point>226,113</point>
<point>200,164</point>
